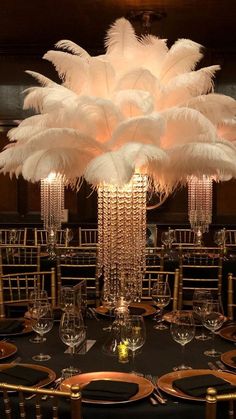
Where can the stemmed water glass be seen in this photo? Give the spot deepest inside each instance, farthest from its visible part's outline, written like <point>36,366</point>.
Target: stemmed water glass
<point>42,323</point>
<point>182,329</point>
<point>72,329</point>
<point>36,298</point>
<point>161,295</point>
<point>200,298</point>
<point>134,336</point>
<point>67,298</point>
<point>213,319</point>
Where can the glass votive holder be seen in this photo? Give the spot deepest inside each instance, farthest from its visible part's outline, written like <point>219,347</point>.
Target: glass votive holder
<point>123,353</point>
<point>69,372</point>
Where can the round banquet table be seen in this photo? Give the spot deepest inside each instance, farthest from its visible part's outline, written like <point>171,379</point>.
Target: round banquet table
<point>158,356</point>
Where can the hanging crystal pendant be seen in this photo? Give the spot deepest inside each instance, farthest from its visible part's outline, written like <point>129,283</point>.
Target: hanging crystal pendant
<point>52,206</point>
<point>200,204</point>
<point>122,238</point>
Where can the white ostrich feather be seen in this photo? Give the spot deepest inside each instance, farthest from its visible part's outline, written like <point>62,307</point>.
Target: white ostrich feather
<point>138,79</point>
<point>133,102</point>
<point>184,86</point>
<point>101,78</point>
<point>140,156</point>
<point>109,168</point>
<point>72,47</point>
<point>68,162</point>
<point>121,38</point>
<point>143,129</point>
<point>185,125</point>
<point>198,159</point>
<point>181,58</point>
<point>214,106</point>
<point>48,99</point>
<point>72,69</point>
<point>152,52</point>
<point>44,81</point>
<point>227,130</point>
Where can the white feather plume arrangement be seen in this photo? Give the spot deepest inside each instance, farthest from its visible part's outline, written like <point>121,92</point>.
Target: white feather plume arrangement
<point>182,57</point>
<point>110,168</point>
<point>145,129</point>
<point>185,125</point>
<point>72,47</point>
<point>67,162</point>
<point>227,129</point>
<point>185,86</point>
<point>101,78</point>
<point>44,81</point>
<point>214,106</point>
<point>133,102</point>
<point>140,156</point>
<point>47,99</point>
<point>121,39</point>
<point>197,159</point>
<point>153,50</point>
<point>139,79</point>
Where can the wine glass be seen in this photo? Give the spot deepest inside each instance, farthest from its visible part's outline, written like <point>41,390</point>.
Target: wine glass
<point>219,237</point>
<point>161,295</point>
<point>182,329</point>
<point>109,302</point>
<point>72,329</point>
<point>213,319</point>
<point>67,298</point>
<point>134,335</point>
<point>200,298</point>
<point>42,324</point>
<point>36,298</point>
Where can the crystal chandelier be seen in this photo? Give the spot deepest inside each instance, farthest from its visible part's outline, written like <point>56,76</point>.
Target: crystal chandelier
<point>200,204</point>
<point>122,238</point>
<point>52,206</point>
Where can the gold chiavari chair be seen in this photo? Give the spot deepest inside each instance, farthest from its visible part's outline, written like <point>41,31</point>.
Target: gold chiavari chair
<point>231,293</point>
<point>13,236</point>
<point>15,288</point>
<point>200,267</point>
<point>16,258</point>
<point>151,277</point>
<point>88,236</point>
<point>75,264</point>
<point>155,258</point>
<point>212,399</point>
<point>54,396</point>
<point>184,237</point>
<point>41,237</point>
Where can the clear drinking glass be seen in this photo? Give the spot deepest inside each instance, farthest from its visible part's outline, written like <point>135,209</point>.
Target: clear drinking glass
<point>213,319</point>
<point>200,298</point>
<point>35,298</point>
<point>134,336</point>
<point>182,329</point>
<point>67,298</point>
<point>42,324</point>
<point>161,295</point>
<point>72,329</point>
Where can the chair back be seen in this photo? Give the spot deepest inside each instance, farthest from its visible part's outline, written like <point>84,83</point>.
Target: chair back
<point>151,277</point>
<point>21,393</point>
<point>200,267</point>
<point>19,258</point>
<point>231,296</point>
<point>15,288</point>
<point>13,236</point>
<point>75,264</point>
<point>184,237</point>
<point>88,236</point>
<point>212,398</point>
<point>41,237</point>
<point>155,258</point>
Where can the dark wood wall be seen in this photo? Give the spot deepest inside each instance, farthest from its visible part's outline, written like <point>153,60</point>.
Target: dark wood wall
<point>20,200</point>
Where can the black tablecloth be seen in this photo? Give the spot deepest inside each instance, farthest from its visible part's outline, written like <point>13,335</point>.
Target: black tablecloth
<point>158,356</point>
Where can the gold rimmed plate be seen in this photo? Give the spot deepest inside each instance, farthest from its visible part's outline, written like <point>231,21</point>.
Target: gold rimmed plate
<point>166,382</point>
<point>48,380</point>
<point>142,309</point>
<point>26,328</point>
<point>229,358</point>
<point>145,387</point>
<point>6,350</point>
<point>228,333</point>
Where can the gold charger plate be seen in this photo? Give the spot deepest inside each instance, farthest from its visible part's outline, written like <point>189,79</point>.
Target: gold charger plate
<point>166,381</point>
<point>51,374</point>
<point>227,333</point>
<point>145,386</point>
<point>26,329</point>
<point>148,309</point>
<point>168,317</point>
<point>226,358</point>
<point>7,349</point>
